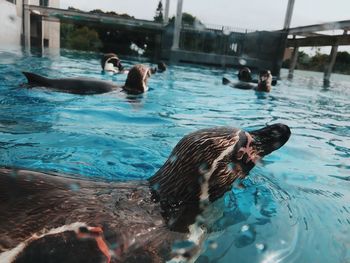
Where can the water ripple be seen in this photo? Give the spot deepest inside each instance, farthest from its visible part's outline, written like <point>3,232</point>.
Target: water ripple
<point>295,205</point>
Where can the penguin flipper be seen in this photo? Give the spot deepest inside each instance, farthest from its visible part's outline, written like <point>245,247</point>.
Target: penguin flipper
<point>36,80</point>
<point>225,81</point>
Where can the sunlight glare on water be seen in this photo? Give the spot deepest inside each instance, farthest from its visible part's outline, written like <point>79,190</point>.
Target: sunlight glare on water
<point>296,203</point>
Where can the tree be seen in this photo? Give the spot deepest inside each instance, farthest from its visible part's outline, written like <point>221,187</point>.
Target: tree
<point>97,11</point>
<point>159,13</point>
<point>318,61</point>
<point>188,19</point>
<point>71,8</point>
<point>79,38</point>
<point>342,63</point>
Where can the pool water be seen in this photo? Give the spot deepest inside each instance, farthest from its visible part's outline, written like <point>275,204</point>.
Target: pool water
<point>296,203</point>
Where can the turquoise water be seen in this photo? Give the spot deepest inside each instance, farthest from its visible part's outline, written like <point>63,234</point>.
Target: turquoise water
<point>296,204</point>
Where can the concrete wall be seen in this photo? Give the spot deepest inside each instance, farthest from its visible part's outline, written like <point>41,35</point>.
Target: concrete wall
<point>11,24</point>
<point>51,32</point>
<point>50,28</point>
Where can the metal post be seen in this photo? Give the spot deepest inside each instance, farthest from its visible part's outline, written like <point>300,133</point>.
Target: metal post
<point>26,24</point>
<point>42,32</point>
<point>293,62</point>
<point>166,11</point>
<point>289,13</point>
<point>329,68</point>
<point>177,28</point>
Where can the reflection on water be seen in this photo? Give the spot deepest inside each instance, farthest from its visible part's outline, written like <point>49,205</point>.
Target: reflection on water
<point>295,204</point>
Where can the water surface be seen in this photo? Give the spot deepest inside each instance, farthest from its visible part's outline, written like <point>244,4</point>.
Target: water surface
<point>296,204</point>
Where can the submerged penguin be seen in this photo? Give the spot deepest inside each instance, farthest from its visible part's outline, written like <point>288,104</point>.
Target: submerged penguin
<point>48,217</point>
<point>136,83</point>
<point>160,68</point>
<point>245,80</point>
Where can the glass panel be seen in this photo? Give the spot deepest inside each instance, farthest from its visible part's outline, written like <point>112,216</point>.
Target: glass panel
<point>44,2</point>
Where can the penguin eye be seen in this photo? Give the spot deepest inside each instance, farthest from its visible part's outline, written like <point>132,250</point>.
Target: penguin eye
<point>83,229</point>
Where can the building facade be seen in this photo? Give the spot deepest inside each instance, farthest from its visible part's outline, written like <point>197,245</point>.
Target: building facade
<point>44,32</point>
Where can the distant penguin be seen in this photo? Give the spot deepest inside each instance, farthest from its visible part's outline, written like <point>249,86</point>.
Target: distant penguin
<point>111,63</point>
<point>244,74</point>
<point>136,83</point>
<point>161,67</point>
<point>246,81</point>
<point>265,81</point>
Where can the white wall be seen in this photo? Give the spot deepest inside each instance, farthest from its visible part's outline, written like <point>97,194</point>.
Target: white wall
<point>51,31</point>
<point>54,3</point>
<point>11,25</point>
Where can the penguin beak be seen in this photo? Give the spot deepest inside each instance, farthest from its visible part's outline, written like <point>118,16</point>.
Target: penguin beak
<point>120,66</point>
<point>270,138</point>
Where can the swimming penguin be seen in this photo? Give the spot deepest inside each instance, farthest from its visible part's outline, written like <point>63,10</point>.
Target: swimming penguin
<point>111,63</point>
<point>136,83</point>
<point>48,217</point>
<point>244,74</point>
<point>161,67</point>
<point>246,81</point>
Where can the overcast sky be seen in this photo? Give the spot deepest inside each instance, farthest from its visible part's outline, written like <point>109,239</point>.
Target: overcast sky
<point>247,14</point>
<point>251,14</point>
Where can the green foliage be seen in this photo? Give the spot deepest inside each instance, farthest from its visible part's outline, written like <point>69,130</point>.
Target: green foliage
<point>319,61</point>
<point>187,19</point>
<point>303,58</point>
<point>342,64</point>
<point>159,13</point>
<point>79,38</point>
<point>71,8</point>
<point>97,11</point>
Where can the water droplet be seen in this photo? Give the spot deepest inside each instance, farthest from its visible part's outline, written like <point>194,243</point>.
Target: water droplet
<point>242,61</point>
<point>260,247</point>
<point>230,166</point>
<point>183,248</point>
<point>114,245</point>
<point>203,168</point>
<point>200,219</point>
<point>74,187</point>
<point>213,245</point>
<point>172,158</point>
<point>246,236</point>
<point>244,228</point>
<point>155,186</point>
